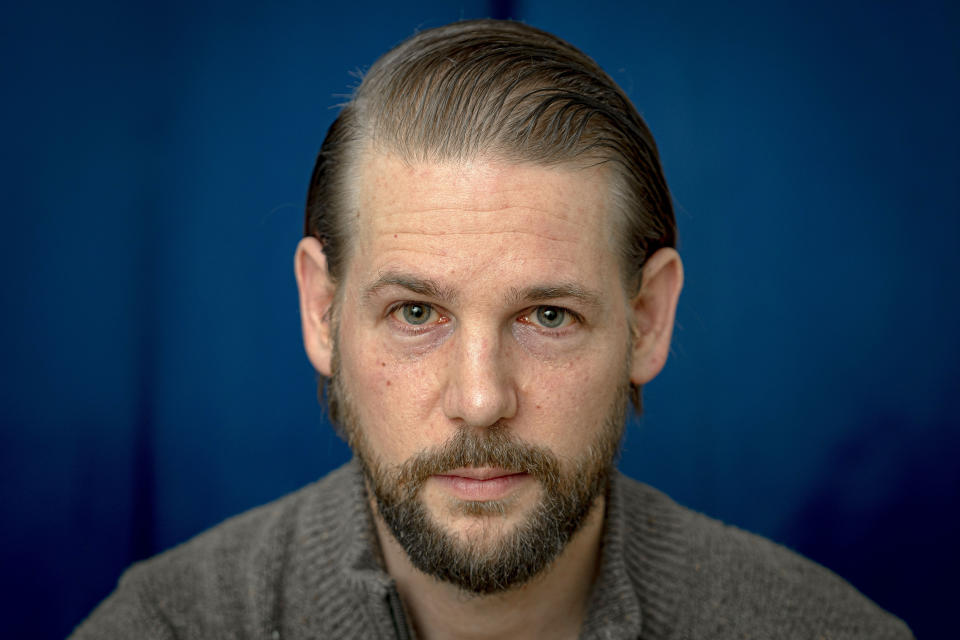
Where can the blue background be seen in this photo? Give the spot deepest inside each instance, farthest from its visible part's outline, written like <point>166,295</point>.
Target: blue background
<point>154,168</point>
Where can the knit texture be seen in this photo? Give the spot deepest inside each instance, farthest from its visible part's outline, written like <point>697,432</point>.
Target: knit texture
<point>308,566</point>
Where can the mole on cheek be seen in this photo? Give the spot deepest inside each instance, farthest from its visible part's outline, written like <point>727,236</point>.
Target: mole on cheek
<point>388,383</point>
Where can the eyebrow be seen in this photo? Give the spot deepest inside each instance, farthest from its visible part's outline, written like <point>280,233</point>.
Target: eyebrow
<point>547,292</point>
<point>420,286</point>
<point>429,288</point>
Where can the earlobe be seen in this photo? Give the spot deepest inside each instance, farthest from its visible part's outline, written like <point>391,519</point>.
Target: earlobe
<point>316,299</point>
<point>654,309</point>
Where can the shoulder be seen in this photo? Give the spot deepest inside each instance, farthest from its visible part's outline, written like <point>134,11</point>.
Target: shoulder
<point>226,578</point>
<point>731,583</point>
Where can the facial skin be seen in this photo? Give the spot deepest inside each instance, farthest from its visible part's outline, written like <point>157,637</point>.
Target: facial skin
<point>483,300</point>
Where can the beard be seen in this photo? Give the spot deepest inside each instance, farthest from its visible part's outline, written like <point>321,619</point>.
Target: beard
<point>493,561</point>
<point>487,563</point>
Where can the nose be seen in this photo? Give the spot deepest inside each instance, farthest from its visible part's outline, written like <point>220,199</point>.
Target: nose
<point>480,390</point>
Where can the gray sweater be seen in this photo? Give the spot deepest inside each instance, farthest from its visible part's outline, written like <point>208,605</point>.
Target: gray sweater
<point>307,566</point>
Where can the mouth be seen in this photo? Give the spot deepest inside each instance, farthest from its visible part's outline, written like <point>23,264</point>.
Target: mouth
<point>481,483</point>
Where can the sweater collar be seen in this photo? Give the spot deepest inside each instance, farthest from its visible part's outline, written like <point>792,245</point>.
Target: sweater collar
<point>614,611</point>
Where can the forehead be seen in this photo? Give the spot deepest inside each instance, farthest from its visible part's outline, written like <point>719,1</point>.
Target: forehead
<point>489,183</point>
<point>481,210</point>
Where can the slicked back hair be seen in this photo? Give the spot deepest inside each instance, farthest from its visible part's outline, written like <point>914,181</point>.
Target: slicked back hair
<point>500,90</point>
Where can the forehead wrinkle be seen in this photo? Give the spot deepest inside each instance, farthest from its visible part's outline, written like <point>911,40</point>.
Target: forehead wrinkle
<point>496,232</point>
<point>457,207</point>
<point>509,216</point>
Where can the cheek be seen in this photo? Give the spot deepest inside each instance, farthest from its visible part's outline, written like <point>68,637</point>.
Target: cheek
<point>392,399</point>
<point>569,403</point>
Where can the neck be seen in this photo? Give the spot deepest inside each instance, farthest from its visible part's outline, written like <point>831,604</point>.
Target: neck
<point>551,605</point>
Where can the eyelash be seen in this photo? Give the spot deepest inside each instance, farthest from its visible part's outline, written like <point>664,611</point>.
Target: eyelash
<point>413,328</point>
<point>523,318</point>
<point>526,318</point>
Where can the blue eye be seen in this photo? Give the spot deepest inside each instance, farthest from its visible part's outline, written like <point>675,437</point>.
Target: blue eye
<point>551,317</point>
<point>415,313</point>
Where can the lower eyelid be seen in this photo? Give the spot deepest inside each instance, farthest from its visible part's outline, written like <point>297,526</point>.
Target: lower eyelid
<point>557,332</point>
<point>539,340</point>
<point>411,337</point>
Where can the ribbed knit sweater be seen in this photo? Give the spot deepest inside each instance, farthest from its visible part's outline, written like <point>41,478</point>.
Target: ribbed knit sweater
<point>307,566</point>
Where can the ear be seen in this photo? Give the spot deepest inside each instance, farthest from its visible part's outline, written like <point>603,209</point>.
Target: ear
<point>316,298</point>
<point>654,309</point>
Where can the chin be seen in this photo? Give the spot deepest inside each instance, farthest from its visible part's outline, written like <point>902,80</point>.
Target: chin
<point>473,521</point>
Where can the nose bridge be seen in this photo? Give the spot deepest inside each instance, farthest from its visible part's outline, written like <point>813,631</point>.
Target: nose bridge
<point>480,389</point>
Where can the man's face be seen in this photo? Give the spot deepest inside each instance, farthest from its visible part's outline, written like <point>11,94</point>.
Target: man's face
<point>483,358</point>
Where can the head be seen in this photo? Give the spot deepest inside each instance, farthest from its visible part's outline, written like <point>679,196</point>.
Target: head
<point>487,275</point>
<point>501,88</point>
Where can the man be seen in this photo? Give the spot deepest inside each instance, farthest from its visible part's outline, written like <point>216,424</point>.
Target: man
<point>487,277</point>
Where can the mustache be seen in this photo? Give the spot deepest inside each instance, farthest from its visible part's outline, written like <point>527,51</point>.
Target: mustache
<point>492,447</point>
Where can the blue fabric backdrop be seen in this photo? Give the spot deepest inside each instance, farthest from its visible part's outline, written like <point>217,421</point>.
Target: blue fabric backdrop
<point>155,164</point>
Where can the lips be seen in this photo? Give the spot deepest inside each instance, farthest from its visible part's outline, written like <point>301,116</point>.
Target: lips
<point>480,473</point>
<point>480,483</point>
